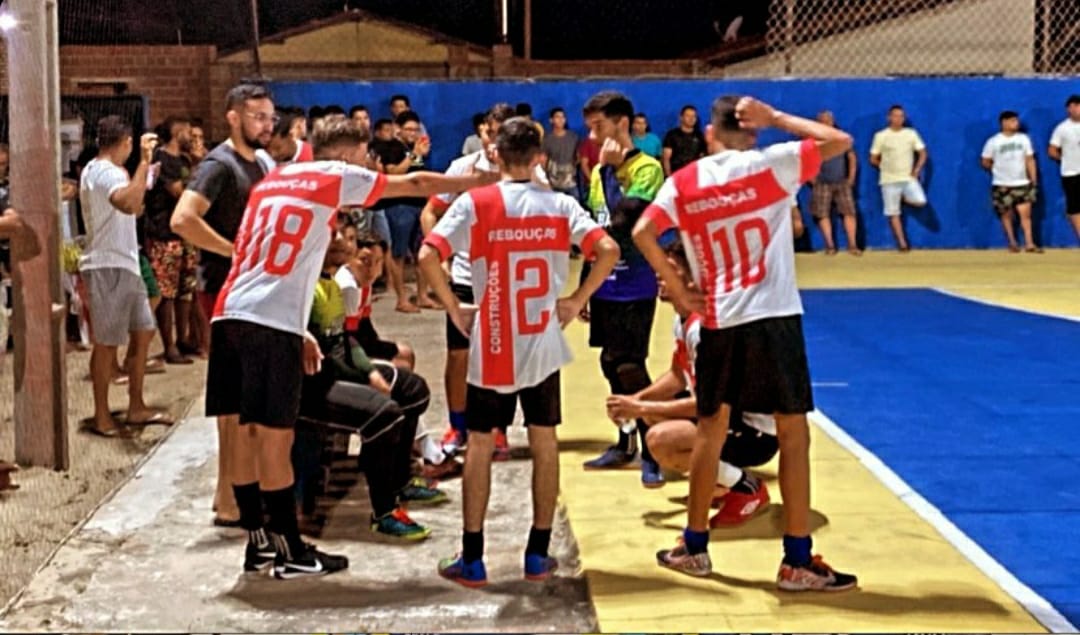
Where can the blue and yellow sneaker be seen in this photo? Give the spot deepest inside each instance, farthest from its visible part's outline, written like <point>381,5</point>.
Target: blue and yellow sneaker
<point>468,574</point>
<point>420,491</point>
<point>539,568</point>
<point>613,458</point>
<point>398,525</point>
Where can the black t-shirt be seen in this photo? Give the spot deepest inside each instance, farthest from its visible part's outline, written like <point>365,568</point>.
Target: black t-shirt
<point>686,147</point>
<point>225,178</point>
<point>160,202</point>
<point>393,152</point>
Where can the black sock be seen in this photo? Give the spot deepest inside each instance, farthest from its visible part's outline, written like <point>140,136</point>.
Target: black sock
<point>747,484</point>
<point>539,540</point>
<point>642,429</point>
<point>249,501</point>
<point>472,543</point>
<point>281,507</point>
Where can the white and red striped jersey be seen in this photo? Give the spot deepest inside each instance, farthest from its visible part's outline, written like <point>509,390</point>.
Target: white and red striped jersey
<point>460,273</point>
<point>283,238</point>
<point>733,210</point>
<point>517,236</point>
<point>687,337</point>
<point>358,298</point>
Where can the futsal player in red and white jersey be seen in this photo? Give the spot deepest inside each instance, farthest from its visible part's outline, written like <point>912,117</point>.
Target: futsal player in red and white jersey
<point>517,236</point>
<point>732,210</point>
<point>260,348</point>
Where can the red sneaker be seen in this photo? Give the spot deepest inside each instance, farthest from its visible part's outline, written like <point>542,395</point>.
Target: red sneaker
<point>502,447</point>
<point>738,508</point>
<point>453,442</point>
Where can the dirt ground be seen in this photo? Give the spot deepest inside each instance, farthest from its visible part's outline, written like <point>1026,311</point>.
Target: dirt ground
<point>48,505</point>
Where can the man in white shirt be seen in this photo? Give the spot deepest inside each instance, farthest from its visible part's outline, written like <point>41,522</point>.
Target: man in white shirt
<point>893,152</point>
<point>119,306</point>
<point>1065,147</point>
<point>1010,158</point>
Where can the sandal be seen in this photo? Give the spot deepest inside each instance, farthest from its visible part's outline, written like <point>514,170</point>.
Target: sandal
<point>158,418</point>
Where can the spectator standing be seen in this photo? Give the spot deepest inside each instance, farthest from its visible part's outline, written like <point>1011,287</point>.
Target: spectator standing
<point>834,186</point>
<point>400,104</point>
<point>1010,158</point>
<point>1065,148</point>
<point>361,115</point>
<point>560,147</point>
<point>173,261</point>
<point>643,137</point>
<point>683,144</point>
<point>474,142</point>
<point>119,306</point>
<point>893,152</point>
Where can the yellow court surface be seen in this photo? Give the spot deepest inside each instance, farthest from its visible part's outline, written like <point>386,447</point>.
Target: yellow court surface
<point>912,577</point>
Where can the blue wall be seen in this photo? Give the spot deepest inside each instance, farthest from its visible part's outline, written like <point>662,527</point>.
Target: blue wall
<point>954,116</point>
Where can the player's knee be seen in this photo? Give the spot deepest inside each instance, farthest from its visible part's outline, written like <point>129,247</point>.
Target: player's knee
<point>659,441</point>
<point>406,357</point>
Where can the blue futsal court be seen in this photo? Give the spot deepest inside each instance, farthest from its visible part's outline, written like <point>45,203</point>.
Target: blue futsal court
<point>975,406</point>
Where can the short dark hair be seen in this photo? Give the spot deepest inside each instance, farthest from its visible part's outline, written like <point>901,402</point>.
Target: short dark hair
<point>518,141</point>
<point>111,131</point>
<point>683,110</point>
<point>556,110</point>
<point>500,112</point>
<point>367,237</point>
<point>723,113</point>
<point>523,109</point>
<point>400,97</point>
<point>478,120</point>
<point>316,112</point>
<point>283,127</point>
<point>245,91</point>
<point>611,104</point>
<point>895,107</point>
<point>358,108</point>
<point>1008,114</point>
<point>164,131</point>
<point>197,122</point>
<point>380,124</point>
<point>406,117</point>
<point>336,133</point>
<point>333,109</point>
<point>1073,99</point>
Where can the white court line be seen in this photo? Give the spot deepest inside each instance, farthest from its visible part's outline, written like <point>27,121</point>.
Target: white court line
<point>830,384</point>
<point>1034,603</point>
<point>998,305</point>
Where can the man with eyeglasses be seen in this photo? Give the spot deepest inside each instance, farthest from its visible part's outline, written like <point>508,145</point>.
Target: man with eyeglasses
<point>218,194</point>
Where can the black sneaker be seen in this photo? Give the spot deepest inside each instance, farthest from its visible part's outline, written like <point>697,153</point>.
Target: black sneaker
<point>260,552</point>
<point>310,562</point>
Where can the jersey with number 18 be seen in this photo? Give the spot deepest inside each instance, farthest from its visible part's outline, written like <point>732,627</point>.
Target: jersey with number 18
<point>733,212</point>
<point>283,238</point>
<point>517,236</point>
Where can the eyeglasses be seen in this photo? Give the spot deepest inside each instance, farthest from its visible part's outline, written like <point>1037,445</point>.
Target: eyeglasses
<point>410,129</point>
<point>262,117</point>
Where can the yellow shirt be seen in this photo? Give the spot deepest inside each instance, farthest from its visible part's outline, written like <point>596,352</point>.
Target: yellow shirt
<point>897,149</point>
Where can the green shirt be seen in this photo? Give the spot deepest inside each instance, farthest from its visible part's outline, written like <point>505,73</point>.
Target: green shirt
<point>327,323</point>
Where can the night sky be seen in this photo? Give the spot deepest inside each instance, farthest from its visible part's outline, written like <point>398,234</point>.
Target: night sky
<point>562,29</point>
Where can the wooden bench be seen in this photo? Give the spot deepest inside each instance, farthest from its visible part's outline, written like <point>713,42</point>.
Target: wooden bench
<point>6,470</point>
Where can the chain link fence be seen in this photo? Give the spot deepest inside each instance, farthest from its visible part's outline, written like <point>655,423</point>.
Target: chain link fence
<point>842,38</point>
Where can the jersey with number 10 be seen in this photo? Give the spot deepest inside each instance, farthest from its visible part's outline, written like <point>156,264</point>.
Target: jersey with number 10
<point>517,236</point>
<point>733,211</point>
<point>283,238</point>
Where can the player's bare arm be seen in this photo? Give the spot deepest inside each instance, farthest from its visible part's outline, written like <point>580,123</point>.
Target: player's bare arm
<point>756,115</point>
<point>129,199</point>
<point>429,183</point>
<point>10,223</point>
<point>686,301</point>
<point>187,222</point>
<point>607,255</point>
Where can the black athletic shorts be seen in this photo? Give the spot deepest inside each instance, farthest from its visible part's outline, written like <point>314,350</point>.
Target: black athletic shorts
<point>760,366</point>
<point>541,404</point>
<point>455,339</point>
<point>1071,185</point>
<point>359,408</point>
<point>256,372</point>
<point>369,340</point>
<point>622,329</point>
<point>746,446</point>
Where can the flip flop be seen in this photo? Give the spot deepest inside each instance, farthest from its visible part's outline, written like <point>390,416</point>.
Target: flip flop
<point>158,418</point>
<point>119,432</point>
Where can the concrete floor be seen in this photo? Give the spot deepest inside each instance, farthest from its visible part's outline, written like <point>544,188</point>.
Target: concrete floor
<point>149,559</point>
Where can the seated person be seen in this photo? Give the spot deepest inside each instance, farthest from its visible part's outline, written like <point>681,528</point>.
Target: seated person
<point>356,279</point>
<point>669,408</point>
<point>379,401</point>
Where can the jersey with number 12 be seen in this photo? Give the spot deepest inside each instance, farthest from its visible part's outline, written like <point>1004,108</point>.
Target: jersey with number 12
<point>733,212</point>
<point>517,236</point>
<point>283,238</point>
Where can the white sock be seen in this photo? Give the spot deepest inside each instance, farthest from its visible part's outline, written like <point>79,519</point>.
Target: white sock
<point>727,474</point>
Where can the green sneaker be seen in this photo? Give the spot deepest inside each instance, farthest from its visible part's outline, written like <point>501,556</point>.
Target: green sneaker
<point>397,524</point>
<point>420,492</point>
